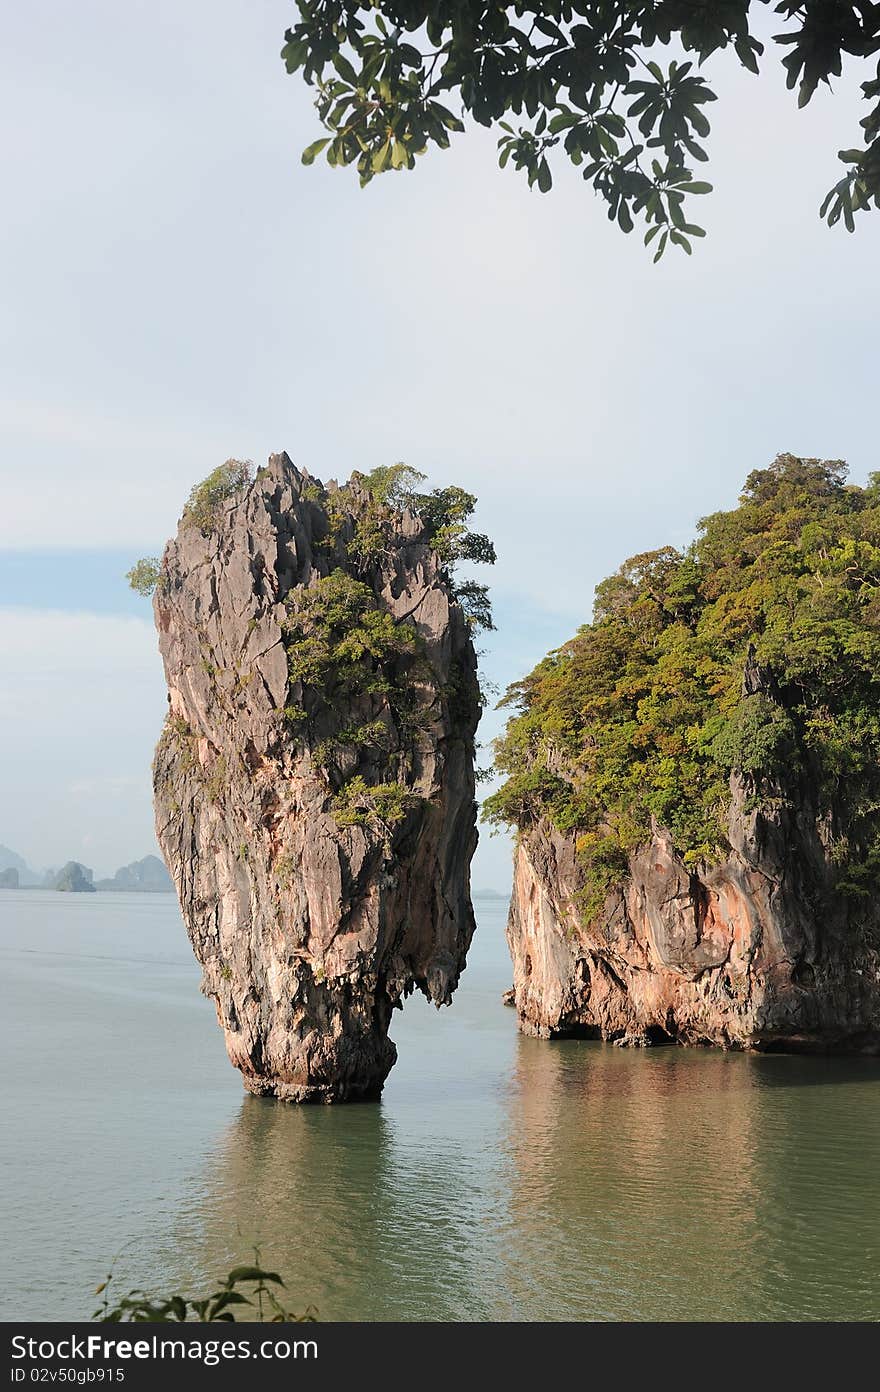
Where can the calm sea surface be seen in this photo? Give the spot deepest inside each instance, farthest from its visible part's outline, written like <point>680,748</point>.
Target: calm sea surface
<point>499,1178</point>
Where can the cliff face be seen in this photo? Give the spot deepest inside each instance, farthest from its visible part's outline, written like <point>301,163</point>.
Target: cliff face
<point>314,786</point>
<point>757,952</point>
<point>694,779</point>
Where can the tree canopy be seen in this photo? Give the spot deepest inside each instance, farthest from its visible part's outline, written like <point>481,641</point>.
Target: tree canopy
<point>390,489</point>
<point>144,575</point>
<point>444,513</point>
<point>645,713</point>
<point>585,78</point>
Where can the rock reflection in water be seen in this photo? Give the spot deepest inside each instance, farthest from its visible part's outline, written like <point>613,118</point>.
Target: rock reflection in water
<point>607,1184</point>
<point>672,1184</point>
<point>499,1178</point>
<point>363,1222</point>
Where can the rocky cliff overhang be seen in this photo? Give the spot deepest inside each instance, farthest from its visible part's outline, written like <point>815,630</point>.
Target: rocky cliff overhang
<point>755,952</point>
<point>315,798</point>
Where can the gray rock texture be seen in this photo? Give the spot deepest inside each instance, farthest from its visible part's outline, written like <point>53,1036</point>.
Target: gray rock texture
<point>319,835</point>
<point>758,952</point>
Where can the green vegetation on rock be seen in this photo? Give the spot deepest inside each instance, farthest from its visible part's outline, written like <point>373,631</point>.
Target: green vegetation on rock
<point>444,512</point>
<point>347,653</point>
<point>643,715</point>
<point>359,803</point>
<point>341,644</point>
<point>144,575</point>
<point>203,505</point>
<point>394,488</point>
<point>335,628</point>
<point>247,1293</point>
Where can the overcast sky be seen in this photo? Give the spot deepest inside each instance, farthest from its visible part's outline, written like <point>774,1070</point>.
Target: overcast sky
<point>180,289</point>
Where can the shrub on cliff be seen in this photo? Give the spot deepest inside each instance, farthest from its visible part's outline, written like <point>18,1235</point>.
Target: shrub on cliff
<point>336,628</point>
<point>643,715</point>
<point>144,575</point>
<point>359,803</point>
<point>203,505</point>
<point>342,644</point>
<point>444,513</point>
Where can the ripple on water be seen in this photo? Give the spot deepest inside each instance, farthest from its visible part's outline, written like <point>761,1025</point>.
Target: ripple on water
<point>501,1177</point>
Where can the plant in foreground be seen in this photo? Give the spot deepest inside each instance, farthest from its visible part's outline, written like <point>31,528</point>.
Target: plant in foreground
<point>250,1291</point>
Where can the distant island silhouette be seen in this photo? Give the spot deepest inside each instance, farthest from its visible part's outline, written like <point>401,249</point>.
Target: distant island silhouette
<point>146,876</point>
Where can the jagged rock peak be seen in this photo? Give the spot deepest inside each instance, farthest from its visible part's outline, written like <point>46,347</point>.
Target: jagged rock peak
<point>314,783</point>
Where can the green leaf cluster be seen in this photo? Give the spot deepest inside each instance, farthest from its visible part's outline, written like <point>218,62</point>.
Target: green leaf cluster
<point>643,715</point>
<point>342,642</point>
<point>444,513</point>
<point>380,805</point>
<point>343,647</point>
<point>203,505</point>
<point>144,575</point>
<point>578,78</point>
<point>248,1293</point>
<point>760,738</point>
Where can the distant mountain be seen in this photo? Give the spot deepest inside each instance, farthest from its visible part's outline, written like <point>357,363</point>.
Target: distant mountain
<point>488,894</point>
<point>74,879</point>
<point>11,860</point>
<point>147,876</point>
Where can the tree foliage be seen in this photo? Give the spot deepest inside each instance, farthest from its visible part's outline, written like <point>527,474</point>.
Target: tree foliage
<point>204,502</point>
<point>144,575</point>
<point>444,513</point>
<point>584,78</point>
<point>342,643</point>
<point>643,715</point>
<point>382,805</point>
<point>247,1293</point>
<point>348,656</point>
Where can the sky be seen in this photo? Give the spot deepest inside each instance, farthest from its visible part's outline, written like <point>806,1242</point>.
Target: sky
<point>180,289</point>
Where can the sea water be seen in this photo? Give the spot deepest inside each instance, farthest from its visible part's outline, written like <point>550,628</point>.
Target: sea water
<point>499,1178</point>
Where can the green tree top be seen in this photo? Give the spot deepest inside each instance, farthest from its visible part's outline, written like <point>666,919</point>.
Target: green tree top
<point>645,713</point>
<point>391,489</point>
<point>203,506</point>
<point>202,510</point>
<point>444,513</point>
<point>144,575</point>
<point>586,78</point>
